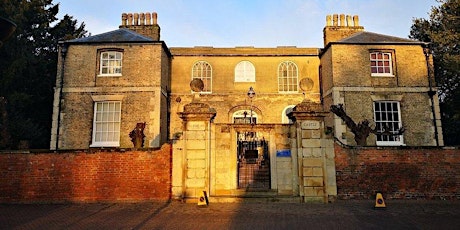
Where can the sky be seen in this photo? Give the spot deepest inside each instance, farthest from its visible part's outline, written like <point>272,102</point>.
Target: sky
<point>258,23</point>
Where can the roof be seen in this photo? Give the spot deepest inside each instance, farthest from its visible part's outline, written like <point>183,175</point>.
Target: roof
<point>369,38</point>
<point>115,36</point>
<point>374,38</point>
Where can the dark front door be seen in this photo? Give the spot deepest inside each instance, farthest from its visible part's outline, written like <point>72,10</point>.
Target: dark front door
<point>253,162</point>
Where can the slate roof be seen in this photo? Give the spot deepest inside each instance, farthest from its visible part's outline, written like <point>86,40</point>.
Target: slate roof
<point>115,36</point>
<point>369,37</point>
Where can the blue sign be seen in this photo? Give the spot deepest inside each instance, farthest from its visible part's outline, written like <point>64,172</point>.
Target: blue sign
<point>283,153</point>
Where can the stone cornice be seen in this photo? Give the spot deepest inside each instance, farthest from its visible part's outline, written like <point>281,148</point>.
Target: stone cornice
<point>108,89</point>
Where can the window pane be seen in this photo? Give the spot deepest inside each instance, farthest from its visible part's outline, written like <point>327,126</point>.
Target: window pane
<point>202,70</point>
<point>386,114</point>
<point>380,63</point>
<point>244,72</point>
<point>287,77</point>
<point>98,137</point>
<point>111,62</point>
<point>107,123</point>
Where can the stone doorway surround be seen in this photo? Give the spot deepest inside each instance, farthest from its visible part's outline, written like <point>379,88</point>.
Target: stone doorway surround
<point>301,156</point>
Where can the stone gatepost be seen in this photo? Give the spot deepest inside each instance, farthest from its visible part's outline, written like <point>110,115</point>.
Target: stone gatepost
<point>315,153</point>
<point>196,153</point>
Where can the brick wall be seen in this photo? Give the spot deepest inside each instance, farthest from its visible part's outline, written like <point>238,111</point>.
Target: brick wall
<point>399,173</point>
<point>86,176</point>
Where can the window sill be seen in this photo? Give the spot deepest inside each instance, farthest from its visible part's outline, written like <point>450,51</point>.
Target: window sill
<point>109,75</point>
<point>382,75</point>
<point>201,92</point>
<point>105,144</point>
<point>289,92</point>
<point>390,144</point>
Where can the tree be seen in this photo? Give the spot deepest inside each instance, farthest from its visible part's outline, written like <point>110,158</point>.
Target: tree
<point>442,31</point>
<point>362,130</point>
<point>28,65</point>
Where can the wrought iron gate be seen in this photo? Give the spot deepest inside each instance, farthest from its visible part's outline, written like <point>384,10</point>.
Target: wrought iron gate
<point>253,162</point>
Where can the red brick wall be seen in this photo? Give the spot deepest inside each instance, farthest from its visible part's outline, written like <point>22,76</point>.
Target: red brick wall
<point>93,175</point>
<point>398,173</point>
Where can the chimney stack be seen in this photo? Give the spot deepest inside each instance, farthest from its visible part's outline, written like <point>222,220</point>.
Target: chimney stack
<point>342,26</point>
<point>142,23</point>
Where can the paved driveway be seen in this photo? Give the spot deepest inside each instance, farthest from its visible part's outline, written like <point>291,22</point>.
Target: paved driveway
<point>175,215</point>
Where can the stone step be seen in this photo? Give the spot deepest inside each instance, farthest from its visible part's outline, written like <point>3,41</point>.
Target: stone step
<point>255,199</point>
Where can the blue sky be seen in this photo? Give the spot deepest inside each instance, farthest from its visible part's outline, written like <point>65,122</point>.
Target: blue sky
<point>258,23</point>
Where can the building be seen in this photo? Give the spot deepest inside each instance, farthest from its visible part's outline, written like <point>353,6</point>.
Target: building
<point>244,120</point>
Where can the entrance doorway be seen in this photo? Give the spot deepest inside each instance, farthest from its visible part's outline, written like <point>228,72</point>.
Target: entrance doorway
<point>253,162</point>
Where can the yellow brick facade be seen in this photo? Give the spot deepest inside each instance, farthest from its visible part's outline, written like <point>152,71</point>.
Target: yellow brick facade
<point>154,88</point>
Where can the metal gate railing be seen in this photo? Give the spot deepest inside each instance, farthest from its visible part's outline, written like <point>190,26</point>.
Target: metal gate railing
<point>253,163</point>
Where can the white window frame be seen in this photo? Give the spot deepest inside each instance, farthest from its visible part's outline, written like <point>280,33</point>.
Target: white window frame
<point>106,124</point>
<point>288,77</point>
<point>284,118</point>
<point>203,70</point>
<point>245,72</point>
<point>246,118</point>
<point>391,118</point>
<point>112,62</point>
<point>379,63</point>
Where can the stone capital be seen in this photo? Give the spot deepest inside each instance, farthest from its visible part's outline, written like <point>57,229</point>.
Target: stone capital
<point>196,111</point>
<point>307,110</point>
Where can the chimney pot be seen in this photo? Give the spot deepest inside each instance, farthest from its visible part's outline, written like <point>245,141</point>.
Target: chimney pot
<point>124,17</point>
<point>349,21</point>
<point>335,19</point>
<point>154,16</point>
<point>136,19</point>
<point>328,20</point>
<point>148,17</point>
<point>130,19</point>
<point>142,19</point>
<point>356,20</point>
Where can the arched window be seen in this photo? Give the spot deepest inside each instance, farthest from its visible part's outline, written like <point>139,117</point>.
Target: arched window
<point>245,72</point>
<point>203,70</point>
<point>287,77</point>
<point>284,118</point>
<point>245,117</point>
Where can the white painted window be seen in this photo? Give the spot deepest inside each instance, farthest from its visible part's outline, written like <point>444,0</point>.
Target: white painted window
<point>244,117</point>
<point>387,117</point>
<point>287,77</point>
<point>203,70</point>
<point>381,64</point>
<point>245,72</point>
<point>111,63</point>
<point>106,124</point>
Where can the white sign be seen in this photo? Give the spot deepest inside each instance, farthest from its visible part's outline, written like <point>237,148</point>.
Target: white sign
<point>196,125</point>
<point>310,125</point>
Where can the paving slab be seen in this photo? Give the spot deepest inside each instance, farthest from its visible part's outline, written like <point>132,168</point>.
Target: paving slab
<point>352,214</point>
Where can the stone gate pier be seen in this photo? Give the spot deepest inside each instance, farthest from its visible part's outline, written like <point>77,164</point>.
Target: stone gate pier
<point>315,153</point>
<point>191,169</point>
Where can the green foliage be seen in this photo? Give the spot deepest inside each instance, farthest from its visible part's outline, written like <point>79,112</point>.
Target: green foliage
<point>442,30</point>
<point>28,65</point>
